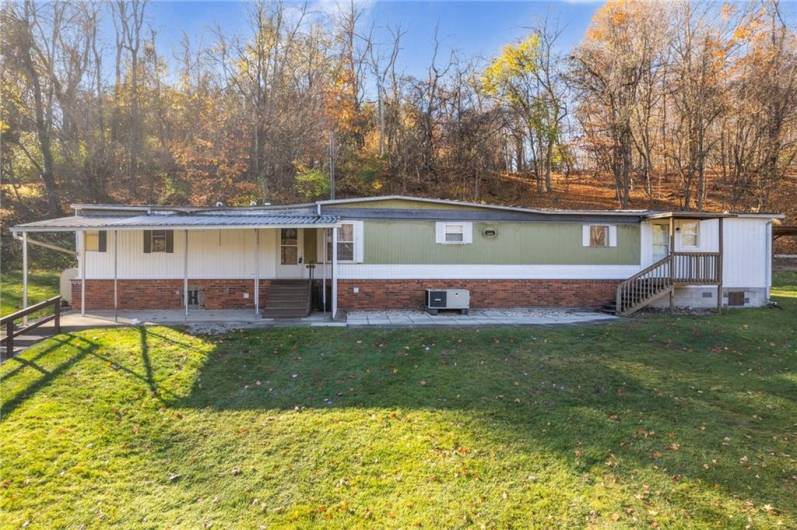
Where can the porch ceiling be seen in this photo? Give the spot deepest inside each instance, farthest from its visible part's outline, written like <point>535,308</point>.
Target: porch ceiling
<point>174,222</point>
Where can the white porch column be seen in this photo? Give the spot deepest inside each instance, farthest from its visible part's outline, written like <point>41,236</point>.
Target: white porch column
<point>24,274</point>
<point>185,274</point>
<point>115,275</point>
<point>334,272</point>
<point>324,277</point>
<point>257,272</point>
<point>82,272</point>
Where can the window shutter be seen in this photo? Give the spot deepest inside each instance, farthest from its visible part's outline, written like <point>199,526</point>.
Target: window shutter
<point>147,241</point>
<point>612,235</point>
<point>440,233</point>
<point>170,241</point>
<point>103,241</point>
<point>467,233</point>
<point>359,243</point>
<point>585,236</point>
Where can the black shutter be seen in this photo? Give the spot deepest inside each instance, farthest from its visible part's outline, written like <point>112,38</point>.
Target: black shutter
<point>147,241</point>
<point>103,243</point>
<point>170,241</point>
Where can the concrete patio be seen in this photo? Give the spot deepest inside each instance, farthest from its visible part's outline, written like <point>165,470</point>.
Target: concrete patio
<point>477,317</point>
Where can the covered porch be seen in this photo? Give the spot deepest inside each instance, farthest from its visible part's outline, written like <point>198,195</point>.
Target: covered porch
<point>266,266</point>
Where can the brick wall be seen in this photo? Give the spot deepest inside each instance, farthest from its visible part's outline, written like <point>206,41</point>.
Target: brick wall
<point>411,294</point>
<point>373,294</point>
<point>168,294</point>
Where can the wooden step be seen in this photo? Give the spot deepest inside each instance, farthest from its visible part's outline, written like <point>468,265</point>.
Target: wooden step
<point>288,299</point>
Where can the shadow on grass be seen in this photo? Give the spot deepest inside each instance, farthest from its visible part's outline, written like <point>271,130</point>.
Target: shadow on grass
<point>81,348</point>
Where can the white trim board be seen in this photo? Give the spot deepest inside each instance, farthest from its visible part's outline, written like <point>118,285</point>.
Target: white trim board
<point>353,271</point>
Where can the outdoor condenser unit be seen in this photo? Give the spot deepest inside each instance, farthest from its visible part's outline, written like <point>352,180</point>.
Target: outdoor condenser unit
<point>437,299</point>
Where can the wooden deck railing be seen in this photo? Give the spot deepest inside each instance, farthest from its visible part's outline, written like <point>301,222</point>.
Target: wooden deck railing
<point>696,268</point>
<point>641,288</point>
<point>657,280</point>
<point>8,322</point>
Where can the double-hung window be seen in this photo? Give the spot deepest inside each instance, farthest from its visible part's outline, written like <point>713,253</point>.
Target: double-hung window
<point>158,241</point>
<point>454,233</point>
<point>350,242</point>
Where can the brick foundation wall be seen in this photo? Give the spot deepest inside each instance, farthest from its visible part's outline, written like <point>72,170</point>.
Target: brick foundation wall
<point>168,294</point>
<point>411,294</point>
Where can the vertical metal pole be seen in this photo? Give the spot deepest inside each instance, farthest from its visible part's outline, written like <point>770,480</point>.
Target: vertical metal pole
<point>257,272</point>
<point>185,274</point>
<point>719,266</point>
<point>324,277</point>
<point>83,272</point>
<point>24,275</point>
<point>115,275</point>
<point>672,262</point>
<point>334,272</point>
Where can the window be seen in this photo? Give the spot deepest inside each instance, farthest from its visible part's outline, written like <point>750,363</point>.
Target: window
<point>689,233</point>
<point>454,233</point>
<point>158,241</point>
<point>346,242</point>
<point>598,236</point>
<point>96,241</point>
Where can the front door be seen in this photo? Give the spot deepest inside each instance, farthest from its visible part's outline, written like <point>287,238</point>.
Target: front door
<point>290,261</point>
<point>661,241</point>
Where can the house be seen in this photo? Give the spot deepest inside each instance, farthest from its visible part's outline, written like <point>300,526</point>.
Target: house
<point>383,252</point>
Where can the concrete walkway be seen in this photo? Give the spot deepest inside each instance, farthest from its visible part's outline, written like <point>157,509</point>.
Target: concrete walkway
<point>477,317</point>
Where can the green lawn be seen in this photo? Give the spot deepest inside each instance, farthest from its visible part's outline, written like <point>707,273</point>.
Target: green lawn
<point>666,422</point>
<point>41,286</point>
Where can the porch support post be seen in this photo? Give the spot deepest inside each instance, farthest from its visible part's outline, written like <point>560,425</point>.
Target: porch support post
<point>324,277</point>
<point>185,274</point>
<point>83,272</point>
<point>672,262</point>
<point>257,272</point>
<point>719,266</point>
<point>115,275</point>
<point>334,272</point>
<point>24,276</point>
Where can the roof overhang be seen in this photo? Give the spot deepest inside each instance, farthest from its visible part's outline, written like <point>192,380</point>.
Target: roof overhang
<point>710,215</point>
<point>77,223</point>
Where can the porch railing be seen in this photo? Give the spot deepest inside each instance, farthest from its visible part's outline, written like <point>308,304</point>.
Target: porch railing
<point>9,323</point>
<point>657,280</point>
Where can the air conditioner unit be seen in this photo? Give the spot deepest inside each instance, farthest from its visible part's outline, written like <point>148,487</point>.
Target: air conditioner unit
<point>437,299</point>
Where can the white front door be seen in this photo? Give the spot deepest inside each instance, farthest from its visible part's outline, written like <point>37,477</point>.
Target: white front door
<point>290,259</point>
<point>661,241</point>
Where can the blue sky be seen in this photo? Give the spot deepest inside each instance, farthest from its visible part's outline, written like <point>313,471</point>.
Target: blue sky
<point>474,29</point>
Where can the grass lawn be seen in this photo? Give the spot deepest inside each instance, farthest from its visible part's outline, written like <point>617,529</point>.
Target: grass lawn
<point>665,422</point>
<point>41,286</point>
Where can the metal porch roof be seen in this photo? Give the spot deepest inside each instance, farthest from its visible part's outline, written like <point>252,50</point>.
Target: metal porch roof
<point>193,221</point>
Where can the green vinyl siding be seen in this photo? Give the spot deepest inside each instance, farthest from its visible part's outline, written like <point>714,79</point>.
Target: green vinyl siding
<point>413,242</point>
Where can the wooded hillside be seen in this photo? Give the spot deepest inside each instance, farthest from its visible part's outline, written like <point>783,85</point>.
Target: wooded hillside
<point>674,105</point>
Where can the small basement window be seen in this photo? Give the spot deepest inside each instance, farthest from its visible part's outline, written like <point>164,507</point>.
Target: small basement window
<point>736,298</point>
<point>96,241</point>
